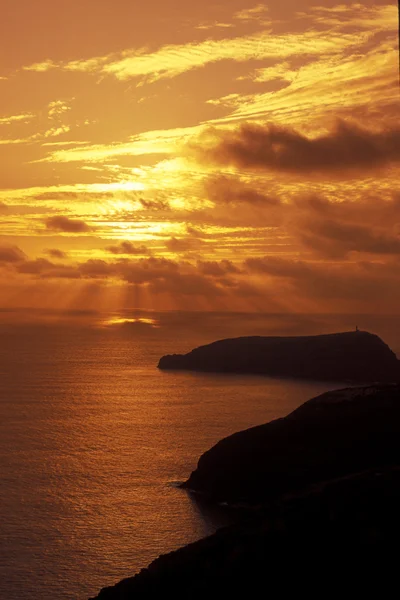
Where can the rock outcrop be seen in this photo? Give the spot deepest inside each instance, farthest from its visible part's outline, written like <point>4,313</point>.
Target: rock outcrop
<point>356,356</point>
<point>322,491</point>
<point>334,435</point>
<point>337,540</point>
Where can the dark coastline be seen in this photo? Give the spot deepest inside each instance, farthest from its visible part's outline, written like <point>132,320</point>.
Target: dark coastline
<point>353,357</point>
<point>319,491</point>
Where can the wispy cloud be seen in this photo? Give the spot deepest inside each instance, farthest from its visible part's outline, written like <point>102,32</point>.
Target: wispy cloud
<point>23,118</point>
<point>41,67</point>
<point>251,14</point>
<point>166,141</point>
<point>370,80</point>
<point>174,59</point>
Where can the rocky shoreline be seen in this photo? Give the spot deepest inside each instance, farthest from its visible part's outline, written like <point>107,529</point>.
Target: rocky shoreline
<point>324,491</point>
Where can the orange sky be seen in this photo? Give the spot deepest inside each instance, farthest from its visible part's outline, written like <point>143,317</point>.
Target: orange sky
<point>217,156</point>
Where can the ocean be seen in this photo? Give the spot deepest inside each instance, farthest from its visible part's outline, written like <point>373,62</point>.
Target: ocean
<point>94,438</point>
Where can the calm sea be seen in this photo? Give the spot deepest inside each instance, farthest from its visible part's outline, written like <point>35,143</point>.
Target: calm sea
<point>94,438</point>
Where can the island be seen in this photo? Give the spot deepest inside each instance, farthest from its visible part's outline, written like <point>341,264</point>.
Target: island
<point>355,356</point>
<point>316,497</point>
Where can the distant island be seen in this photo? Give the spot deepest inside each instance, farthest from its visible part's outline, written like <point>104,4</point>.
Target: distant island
<point>316,495</point>
<point>355,356</point>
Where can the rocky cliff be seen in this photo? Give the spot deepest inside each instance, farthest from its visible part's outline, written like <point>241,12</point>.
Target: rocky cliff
<point>333,435</point>
<point>324,490</point>
<point>337,540</point>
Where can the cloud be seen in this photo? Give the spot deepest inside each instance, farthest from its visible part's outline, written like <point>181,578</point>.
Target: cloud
<point>56,253</point>
<point>213,25</point>
<point>337,229</point>
<point>67,225</point>
<point>58,108</point>
<point>158,275</point>
<point>281,70</point>
<point>222,189</point>
<point>41,67</point>
<point>127,248</point>
<point>165,141</point>
<point>194,231</point>
<point>333,238</point>
<point>154,204</point>
<point>183,244</point>
<point>146,270</point>
<point>186,284</point>
<point>97,269</point>
<point>314,88</point>
<point>277,266</point>
<point>56,131</point>
<point>11,254</point>
<point>16,119</point>
<point>45,269</point>
<point>35,267</point>
<point>354,286</point>
<point>347,146</point>
<point>251,14</point>
<point>172,60</point>
<point>281,283</point>
<point>217,269</point>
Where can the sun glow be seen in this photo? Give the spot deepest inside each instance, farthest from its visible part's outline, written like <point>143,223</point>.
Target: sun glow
<point>202,166</point>
<point>115,321</point>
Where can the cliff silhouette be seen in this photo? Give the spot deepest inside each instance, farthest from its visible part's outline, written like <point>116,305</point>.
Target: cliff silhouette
<point>317,496</point>
<point>356,356</point>
<point>333,435</point>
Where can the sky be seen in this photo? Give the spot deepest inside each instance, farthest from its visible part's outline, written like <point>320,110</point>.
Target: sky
<point>227,156</point>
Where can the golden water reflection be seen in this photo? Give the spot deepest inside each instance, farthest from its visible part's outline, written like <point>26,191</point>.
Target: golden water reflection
<point>120,320</point>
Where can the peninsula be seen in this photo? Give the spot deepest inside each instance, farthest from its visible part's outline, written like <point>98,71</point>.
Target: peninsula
<point>317,496</point>
<point>355,356</point>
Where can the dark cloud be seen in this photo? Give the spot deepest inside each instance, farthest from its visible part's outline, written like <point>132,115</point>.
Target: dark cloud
<point>146,270</point>
<point>56,253</point>
<point>67,225</point>
<point>186,284</point>
<point>154,204</point>
<point>277,148</point>
<point>11,254</point>
<point>230,190</point>
<point>35,267</point>
<point>217,269</point>
<point>97,269</point>
<point>183,244</point>
<point>334,238</point>
<point>332,286</point>
<point>127,248</point>
<point>277,266</point>
<point>160,275</point>
<point>369,210</point>
<point>335,229</point>
<point>278,283</point>
<point>194,231</point>
<point>45,269</point>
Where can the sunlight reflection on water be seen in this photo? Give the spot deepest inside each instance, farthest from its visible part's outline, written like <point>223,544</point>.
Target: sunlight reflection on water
<point>93,436</point>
